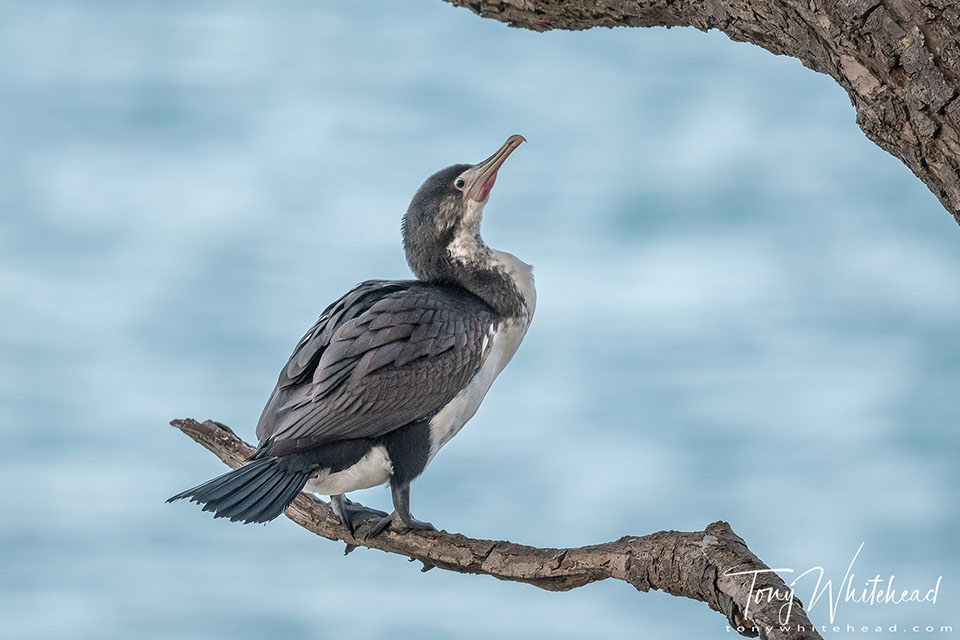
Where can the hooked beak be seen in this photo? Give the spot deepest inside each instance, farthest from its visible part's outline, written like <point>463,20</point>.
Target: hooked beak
<point>481,176</point>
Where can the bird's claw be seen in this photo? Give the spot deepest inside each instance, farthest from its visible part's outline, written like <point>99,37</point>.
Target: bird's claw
<point>353,514</point>
<point>398,524</point>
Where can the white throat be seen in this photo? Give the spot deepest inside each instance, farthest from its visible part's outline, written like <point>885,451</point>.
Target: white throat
<point>468,248</point>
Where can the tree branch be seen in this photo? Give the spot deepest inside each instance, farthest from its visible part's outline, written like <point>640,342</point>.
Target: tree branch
<point>898,60</point>
<point>693,565</point>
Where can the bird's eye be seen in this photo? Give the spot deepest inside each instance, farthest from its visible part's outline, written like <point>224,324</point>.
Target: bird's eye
<point>459,183</point>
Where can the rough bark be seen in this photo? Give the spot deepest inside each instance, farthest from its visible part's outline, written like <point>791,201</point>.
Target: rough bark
<point>693,565</point>
<point>898,60</point>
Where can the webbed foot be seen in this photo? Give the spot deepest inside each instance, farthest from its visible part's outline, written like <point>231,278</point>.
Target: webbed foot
<point>353,514</point>
<point>400,519</point>
<point>395,522</point>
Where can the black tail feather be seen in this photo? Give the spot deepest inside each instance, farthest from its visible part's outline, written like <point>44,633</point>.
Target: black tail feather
<point>269,487</point>
<point>259,491</point>
<point>216,489</point>
<point>282,497</point>
<point>232,501</point>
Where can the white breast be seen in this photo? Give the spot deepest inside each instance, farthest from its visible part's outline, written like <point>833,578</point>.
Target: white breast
<point>502,342</point>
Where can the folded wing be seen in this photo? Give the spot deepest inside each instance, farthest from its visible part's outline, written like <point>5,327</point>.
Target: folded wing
<point>384,355</point>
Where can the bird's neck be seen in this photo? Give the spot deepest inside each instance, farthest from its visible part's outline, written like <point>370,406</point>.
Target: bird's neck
<point>459,256</point>
<point>500,279</point>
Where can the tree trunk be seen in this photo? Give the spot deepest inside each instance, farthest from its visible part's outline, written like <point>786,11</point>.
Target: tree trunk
<point>898,60</point>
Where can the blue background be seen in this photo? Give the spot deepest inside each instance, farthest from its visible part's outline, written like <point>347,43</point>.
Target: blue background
<point>747,311</point>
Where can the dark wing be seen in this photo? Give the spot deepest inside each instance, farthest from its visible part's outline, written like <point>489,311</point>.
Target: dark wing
<point>384,355</point>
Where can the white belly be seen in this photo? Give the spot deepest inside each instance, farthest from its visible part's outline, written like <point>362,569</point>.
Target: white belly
<point>373,469</point>
<point>503,344</point>
<point>449,420</point>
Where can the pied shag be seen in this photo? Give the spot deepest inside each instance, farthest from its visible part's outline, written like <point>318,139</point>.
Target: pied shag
<point>393,369</point>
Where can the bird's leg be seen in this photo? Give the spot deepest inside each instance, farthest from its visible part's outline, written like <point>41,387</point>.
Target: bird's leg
<point>400,518</point>
<point>401,506</point>
<point>352,514</point>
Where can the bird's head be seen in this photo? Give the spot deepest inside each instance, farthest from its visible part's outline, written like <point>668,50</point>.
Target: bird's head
<point>442,223</point>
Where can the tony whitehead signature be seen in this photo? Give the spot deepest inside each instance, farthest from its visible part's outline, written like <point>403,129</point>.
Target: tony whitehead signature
<point>874,591</point>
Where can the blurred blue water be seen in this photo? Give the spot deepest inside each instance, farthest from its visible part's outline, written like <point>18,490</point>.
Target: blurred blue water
<point>746,312</point>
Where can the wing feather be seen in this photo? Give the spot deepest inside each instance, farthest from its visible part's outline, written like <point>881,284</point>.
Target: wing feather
<point>384,355</point>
